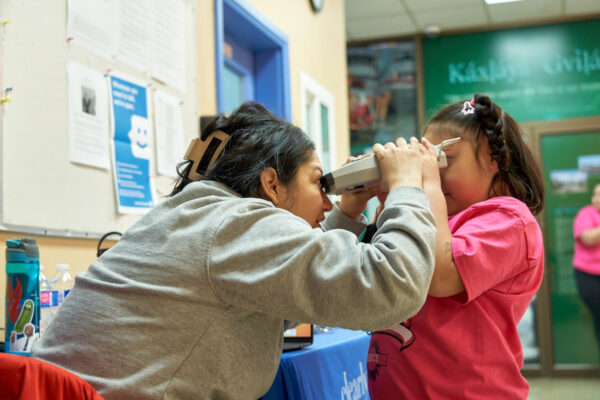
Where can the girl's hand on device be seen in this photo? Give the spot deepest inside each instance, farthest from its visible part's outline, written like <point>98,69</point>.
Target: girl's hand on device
<point>431,171</point>
<point>400,164</point>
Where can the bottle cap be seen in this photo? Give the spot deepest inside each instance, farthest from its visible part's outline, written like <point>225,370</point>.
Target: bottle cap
<point>62,267</point>
<point>22,250</point>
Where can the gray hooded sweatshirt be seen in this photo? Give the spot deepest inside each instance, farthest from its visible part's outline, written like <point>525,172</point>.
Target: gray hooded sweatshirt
<point>191,302</point>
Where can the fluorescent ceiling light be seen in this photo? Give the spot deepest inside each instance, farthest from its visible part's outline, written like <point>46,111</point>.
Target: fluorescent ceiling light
<point>500,1</point>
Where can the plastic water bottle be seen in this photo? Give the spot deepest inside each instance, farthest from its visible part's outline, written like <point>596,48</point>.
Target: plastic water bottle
<point>63,282</point>
<point>22,295</point>
<point>43,279</point>
<point>48,301</point>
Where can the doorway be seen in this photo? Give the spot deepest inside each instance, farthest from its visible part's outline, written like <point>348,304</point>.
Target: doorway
<point>564,326</point>
<point>252,61</point>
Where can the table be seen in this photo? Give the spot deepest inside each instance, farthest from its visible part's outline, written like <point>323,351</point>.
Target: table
<point>333,367</point>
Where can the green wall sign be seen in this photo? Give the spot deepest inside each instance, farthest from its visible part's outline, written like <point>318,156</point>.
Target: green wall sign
<point>539,73</point>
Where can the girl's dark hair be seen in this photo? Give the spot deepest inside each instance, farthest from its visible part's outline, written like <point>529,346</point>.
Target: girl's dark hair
<point>519,173</point>
<point>258,140</point>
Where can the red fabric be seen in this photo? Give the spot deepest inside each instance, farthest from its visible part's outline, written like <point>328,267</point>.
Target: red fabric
<point>25,378</point>
<point>467,346</point>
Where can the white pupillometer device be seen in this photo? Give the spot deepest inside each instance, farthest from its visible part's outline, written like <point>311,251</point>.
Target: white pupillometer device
<point>363,173</point>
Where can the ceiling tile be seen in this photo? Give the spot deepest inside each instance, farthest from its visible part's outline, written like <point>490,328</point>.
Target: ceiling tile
<point>525,10</point>
<point>371,19</point>
<point>427,5</point>
<point>452,18</point>
<point>579,7</point>
<point>388,26</point>
<point>356,9</point>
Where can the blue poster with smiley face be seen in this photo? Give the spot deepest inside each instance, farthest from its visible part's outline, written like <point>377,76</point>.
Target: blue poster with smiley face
<point>131,144</point>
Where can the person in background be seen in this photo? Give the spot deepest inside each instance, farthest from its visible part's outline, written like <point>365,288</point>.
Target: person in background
<point>191,302</point>
<point>463,344</point>
<point>586,259</point>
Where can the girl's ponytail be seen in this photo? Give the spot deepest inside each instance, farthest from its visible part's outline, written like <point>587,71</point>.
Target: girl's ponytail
<point>519,172</point>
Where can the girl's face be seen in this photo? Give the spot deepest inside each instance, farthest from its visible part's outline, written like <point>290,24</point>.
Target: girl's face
<point>304,195</point>
<point>596,197</point>
<point>465,181</point>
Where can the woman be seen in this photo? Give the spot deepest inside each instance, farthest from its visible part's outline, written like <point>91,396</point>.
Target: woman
<point>191,302</point>
<point>586,258</point>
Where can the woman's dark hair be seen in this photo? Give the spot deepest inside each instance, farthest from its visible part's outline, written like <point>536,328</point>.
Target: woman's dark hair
<point>519,173</point>
<point>258,140</point>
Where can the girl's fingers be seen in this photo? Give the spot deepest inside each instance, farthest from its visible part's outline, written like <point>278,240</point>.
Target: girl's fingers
<point>430,148</point>
<point>401,143</point>
<point>351,158</point>
<point>389,145</point>
<point>414,143</point>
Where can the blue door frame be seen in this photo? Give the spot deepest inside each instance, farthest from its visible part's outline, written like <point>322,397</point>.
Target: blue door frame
<point>242,22</point>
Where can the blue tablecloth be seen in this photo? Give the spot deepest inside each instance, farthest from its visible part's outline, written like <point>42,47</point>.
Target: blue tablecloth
<point>333,367</point>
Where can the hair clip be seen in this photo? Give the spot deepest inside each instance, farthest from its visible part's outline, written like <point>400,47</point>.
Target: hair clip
<point>468,107</point>
<point>203,153</point>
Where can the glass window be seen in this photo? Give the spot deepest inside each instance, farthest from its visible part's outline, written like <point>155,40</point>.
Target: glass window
<point>527,333</point>
<point>317,119</point>
<point>233,89</point>
<point>382,94</point>
<point>325,137</point>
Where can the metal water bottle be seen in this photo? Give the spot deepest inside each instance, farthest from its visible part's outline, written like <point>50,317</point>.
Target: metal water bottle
<point>22,295</point>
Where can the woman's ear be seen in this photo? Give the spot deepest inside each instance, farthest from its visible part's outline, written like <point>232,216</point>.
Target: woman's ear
<point>270,186</point>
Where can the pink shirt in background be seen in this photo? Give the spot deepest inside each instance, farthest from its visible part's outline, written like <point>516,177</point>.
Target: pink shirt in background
<point>586,258</point>
<point>467,346</point>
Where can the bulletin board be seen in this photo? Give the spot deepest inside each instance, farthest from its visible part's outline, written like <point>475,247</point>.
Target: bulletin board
<point>41,191</point>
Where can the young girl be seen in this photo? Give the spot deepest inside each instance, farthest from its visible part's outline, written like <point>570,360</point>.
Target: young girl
<point>463,343</point>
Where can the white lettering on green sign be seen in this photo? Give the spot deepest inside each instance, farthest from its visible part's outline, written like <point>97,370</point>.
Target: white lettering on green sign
<point>582,60</point>
<point>492,72</point>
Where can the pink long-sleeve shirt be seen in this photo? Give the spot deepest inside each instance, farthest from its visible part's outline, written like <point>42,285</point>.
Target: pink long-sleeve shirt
<point>467,346</point>
<point>586,258</point>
